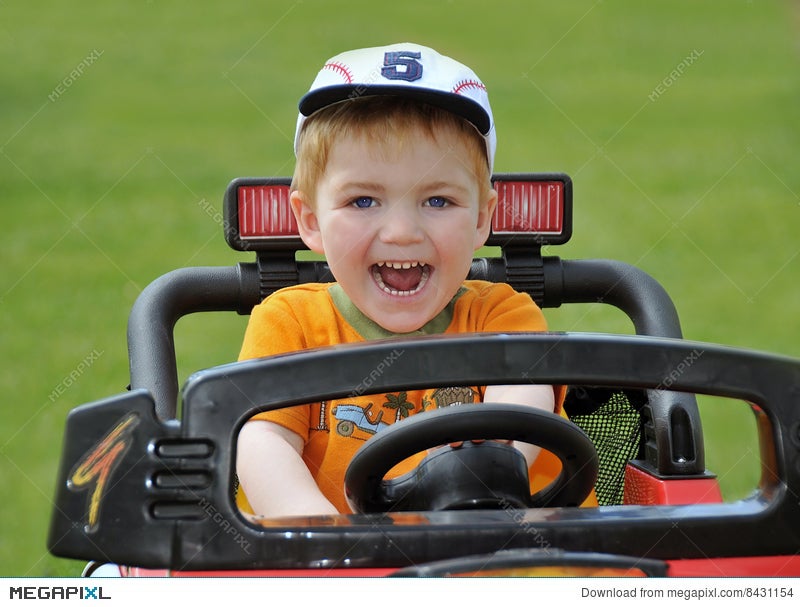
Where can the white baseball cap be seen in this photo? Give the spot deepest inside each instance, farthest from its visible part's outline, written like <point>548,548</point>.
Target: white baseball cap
<point>407,70</point>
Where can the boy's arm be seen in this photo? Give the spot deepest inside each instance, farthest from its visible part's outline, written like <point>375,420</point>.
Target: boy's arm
<point>533,395</point>
<point>274,476</point>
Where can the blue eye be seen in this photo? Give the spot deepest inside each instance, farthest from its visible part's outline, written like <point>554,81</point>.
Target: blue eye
<point>437,202</point>
<point>363,202</point>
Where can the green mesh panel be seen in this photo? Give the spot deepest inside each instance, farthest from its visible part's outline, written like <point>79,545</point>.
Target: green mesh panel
<point>614,430</point>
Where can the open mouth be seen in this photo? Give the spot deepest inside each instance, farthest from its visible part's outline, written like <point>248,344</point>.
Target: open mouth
<point>401,278</point>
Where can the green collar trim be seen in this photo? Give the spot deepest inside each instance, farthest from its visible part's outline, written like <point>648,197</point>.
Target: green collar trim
<point>369,329</point>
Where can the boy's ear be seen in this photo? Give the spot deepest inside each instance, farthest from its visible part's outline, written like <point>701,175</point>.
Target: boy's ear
<point>486,210</point>
<point>307,222</point>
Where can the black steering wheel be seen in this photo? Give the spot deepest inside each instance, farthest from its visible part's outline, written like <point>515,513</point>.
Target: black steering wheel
<point>490,474</point>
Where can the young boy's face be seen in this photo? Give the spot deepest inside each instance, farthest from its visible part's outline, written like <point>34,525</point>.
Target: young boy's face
<point>398,229</point>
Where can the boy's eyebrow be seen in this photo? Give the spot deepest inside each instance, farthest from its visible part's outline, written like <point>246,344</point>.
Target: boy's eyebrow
<point>371,186</point>
<point>442,185</point>
<point>374,186</point>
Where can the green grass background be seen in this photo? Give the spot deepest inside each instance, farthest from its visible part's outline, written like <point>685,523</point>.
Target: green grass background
<point>116,177</point>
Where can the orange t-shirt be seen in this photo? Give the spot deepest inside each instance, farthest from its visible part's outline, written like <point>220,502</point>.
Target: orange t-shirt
<point>316,315</point>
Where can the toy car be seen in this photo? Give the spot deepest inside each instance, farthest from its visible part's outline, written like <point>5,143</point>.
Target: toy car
<point>139,487</point>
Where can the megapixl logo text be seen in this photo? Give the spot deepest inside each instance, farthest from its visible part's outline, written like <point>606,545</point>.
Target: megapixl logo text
<point>56,592</point>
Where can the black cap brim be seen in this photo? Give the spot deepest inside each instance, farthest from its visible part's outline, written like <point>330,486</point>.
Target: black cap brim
<point>458,104</point>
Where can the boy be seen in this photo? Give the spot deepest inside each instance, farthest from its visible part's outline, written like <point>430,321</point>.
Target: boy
<point>395,147</point>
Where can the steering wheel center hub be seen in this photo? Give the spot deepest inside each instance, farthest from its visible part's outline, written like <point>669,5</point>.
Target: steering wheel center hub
<point>488,475</point>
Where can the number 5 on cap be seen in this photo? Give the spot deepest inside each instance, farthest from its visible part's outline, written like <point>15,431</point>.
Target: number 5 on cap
<point>402,65</point>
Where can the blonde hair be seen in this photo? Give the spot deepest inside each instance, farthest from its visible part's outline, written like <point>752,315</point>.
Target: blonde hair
<point>384,120</point>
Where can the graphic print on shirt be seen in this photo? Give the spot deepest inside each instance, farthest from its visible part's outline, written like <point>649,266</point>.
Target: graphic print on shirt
<point>399,402</point>
<point>447,397</point>
<point>352,417</point>
<point>360,422</point>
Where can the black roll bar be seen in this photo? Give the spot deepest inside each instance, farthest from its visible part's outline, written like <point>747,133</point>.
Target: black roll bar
<point>673,441</point>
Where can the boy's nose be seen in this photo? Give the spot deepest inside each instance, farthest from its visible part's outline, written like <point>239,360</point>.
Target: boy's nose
<point>401,227</point>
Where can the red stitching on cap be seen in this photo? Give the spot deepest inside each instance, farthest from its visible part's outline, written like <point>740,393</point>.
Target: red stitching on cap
<point>341,69</point>
<point>468,84</point>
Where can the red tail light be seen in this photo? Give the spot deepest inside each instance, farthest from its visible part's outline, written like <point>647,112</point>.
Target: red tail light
<point>264,212</point>
<point>532,209</point>
<point>529,206</point>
